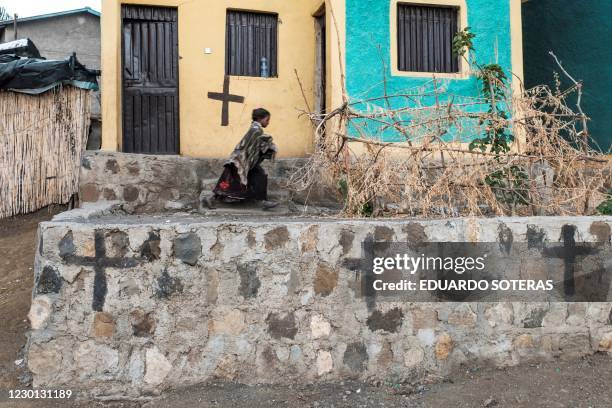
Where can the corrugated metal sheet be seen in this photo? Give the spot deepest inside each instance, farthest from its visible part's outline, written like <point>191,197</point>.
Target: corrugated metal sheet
<point>425,38</point>
<point>150,80</point>
<point>251,36</point>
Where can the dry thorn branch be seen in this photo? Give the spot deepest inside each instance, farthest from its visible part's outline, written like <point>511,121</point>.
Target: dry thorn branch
<point>434,173</point>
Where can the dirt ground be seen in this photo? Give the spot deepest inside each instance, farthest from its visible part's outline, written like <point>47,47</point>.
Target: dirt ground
<point>17,247</point>
<point>584,383</point>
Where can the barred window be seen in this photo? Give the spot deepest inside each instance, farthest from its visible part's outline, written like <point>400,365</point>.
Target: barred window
<point>251,37</point>
<point>425,38</point>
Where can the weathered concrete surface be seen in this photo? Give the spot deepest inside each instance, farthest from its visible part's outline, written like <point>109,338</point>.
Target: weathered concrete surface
<point>146,184</point>
<point>129,306</point>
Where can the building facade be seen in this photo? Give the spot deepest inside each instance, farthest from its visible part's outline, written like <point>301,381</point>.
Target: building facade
<point>58,35</point>
<point>575,32</point>
<point>183,77</point>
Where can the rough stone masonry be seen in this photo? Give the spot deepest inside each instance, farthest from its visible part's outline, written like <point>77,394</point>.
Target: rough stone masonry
<point>146,184</point>
<point>127,306</point>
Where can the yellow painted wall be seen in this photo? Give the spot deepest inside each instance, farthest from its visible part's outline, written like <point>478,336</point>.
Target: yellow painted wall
<point>202,25</point>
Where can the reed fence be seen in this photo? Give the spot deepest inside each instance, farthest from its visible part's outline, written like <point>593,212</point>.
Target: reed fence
<point>42,139</point>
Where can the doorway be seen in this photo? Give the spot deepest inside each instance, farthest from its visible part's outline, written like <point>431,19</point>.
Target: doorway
<point>321,61</point>
<point>150,80</point>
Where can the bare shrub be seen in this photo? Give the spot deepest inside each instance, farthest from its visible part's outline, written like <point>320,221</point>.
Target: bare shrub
<point>429,153</point>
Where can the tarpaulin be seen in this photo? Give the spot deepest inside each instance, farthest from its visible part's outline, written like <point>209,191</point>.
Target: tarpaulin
<point>35,76</point>
<point>21,48</point>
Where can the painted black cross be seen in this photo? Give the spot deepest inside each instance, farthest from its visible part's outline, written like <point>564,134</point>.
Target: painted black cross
<point>100,262</point>
<point>226,98</point>
<point>569,252</point>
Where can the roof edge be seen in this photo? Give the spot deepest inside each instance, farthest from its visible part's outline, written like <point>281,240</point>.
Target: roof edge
<point>52,15</point>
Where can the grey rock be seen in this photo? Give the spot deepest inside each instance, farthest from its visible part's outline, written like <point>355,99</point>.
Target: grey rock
<point>249,282</point>
<point>150,248</point>
<point>355,357</point>
<point>389,321</point>
<point>188,248</point>
<point>168,286</point>
<point>49,281</point>
<point>66,245</point>
<point>534,319</point>
<point>280,326</point>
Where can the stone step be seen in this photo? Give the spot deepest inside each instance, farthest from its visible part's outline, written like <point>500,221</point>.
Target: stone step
<point>254,209</point>
<point>278,191</point>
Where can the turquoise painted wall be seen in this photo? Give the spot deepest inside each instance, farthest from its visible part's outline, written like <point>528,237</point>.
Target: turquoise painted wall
<point>367,28</point>
<point>580,34</point>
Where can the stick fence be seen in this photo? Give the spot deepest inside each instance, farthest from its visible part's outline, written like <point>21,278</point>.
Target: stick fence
<point>42,139</point>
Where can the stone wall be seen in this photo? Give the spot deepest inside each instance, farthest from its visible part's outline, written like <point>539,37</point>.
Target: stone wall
<point>130,306</point>
<point>148,184</point>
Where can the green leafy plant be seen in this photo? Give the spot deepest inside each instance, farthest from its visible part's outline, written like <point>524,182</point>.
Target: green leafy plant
<point>493,81</point>
<point>343,188</point>
<point>605,208</point>
<point>462,42</point>
<point>364,209</point>
<point>510,185</point>
<point>497,137</point>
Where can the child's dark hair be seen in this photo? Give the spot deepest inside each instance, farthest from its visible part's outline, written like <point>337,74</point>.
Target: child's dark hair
<point>259,114</point>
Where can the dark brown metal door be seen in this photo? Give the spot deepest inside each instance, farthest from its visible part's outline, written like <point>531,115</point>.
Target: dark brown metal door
<point>320,62</point>
<point>150,80</point>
